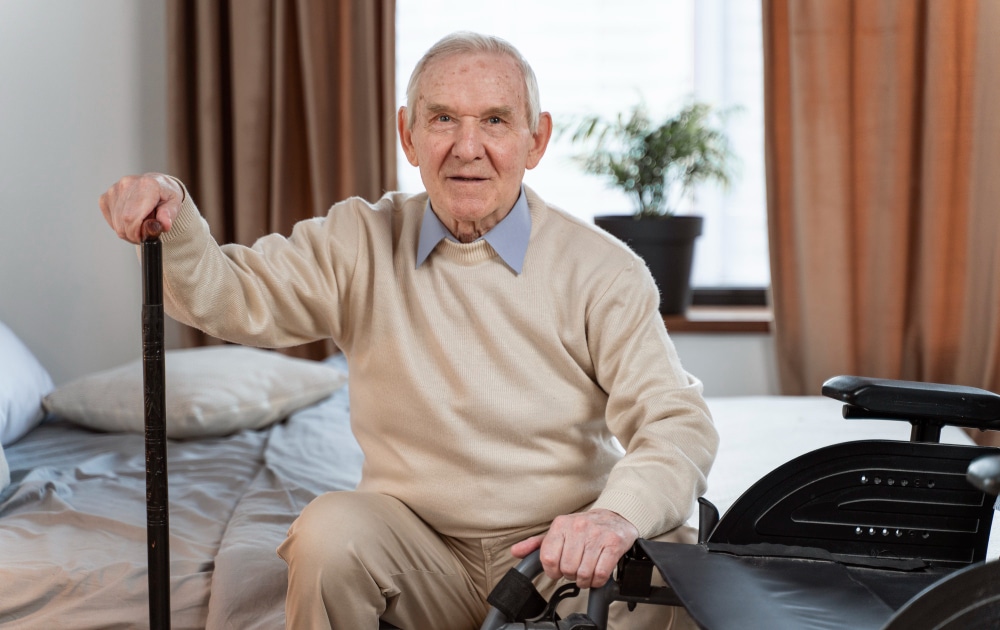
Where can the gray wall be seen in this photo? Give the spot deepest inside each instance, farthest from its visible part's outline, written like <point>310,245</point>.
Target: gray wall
<point>81,103</point>
<point>82,88</point>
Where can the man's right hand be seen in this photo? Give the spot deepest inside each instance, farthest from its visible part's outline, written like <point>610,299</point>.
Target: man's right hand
<point>135,198</point>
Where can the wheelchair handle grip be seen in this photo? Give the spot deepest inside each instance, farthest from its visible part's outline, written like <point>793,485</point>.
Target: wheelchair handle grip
<point>598,600</point>
<point>984,473</point>
<point>530,566</point>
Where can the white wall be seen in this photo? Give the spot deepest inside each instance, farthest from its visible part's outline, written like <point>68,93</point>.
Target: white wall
<point>731,364</point>
<point>82,88</point>
<point>81,103</point>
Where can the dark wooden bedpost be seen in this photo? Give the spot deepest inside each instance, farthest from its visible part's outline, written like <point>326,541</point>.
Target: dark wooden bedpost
<point>154,398</point>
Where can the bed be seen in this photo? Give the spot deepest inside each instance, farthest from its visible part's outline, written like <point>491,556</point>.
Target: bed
<point>73,517</point>
<point>72,514</point>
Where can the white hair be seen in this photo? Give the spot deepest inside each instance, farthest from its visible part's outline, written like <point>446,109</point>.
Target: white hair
<point>464,42</point>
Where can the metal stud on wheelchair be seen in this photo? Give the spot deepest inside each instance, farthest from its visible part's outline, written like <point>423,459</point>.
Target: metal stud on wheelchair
<point>870,534</point>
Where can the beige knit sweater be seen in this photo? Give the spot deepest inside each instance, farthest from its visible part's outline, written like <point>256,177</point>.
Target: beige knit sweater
<point>485,400</point>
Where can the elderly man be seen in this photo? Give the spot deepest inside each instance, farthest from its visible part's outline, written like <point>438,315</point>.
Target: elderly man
<point>497,346</point>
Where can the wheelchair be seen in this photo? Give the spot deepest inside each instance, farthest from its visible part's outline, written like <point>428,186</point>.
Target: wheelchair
<point>870,534</point>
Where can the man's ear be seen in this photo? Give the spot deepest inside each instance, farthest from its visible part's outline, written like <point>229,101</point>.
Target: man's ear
<point>406,136</point>
<point>540,140</point>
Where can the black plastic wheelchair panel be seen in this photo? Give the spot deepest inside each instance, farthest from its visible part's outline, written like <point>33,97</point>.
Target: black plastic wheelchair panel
<point>871,499</point>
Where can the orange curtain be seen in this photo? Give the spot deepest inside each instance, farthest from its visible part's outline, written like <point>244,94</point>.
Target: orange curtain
<point>278,109</point>
<point>883,178</point>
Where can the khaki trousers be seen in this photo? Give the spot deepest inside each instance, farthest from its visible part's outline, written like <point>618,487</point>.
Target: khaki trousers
<point>357,557</point>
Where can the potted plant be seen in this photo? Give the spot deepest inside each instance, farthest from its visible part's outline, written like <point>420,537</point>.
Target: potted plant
<point>657,164</point>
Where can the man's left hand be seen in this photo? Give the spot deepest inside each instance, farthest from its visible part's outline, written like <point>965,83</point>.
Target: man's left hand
<point>583,548</point>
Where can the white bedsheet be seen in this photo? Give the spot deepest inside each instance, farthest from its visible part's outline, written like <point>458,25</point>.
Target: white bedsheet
<point>73,526</point>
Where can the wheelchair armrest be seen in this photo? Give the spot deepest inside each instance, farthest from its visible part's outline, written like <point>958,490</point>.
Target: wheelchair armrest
<point>939,404</point>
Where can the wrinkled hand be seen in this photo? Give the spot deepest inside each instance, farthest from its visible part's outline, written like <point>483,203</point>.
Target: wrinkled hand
<point>134,198</point>
<point>583,548</point>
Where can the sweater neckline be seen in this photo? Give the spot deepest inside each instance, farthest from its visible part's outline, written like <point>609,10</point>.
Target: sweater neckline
<point>467,253</point>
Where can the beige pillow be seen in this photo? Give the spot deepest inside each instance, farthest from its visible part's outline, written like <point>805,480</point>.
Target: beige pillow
<point>210,391</point>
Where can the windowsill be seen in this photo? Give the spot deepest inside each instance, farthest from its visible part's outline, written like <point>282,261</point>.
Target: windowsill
<point>721,319</point>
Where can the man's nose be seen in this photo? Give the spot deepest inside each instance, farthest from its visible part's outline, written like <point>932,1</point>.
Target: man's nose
<point>468,141</point>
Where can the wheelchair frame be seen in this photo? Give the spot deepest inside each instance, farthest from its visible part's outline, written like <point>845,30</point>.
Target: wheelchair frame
<point>877,534</point>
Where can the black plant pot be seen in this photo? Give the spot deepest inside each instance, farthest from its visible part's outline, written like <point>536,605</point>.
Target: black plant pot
<point>667,246</point>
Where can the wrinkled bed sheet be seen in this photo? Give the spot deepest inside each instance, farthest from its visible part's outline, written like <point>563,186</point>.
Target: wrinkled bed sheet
<point>73,521</point>
<point>314,452</point>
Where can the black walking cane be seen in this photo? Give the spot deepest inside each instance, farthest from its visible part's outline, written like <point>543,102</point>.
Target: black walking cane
<point>154,399</point>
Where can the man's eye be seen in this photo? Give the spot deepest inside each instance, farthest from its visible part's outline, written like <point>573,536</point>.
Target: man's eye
<point>444,118</point>
<point>495,120</point>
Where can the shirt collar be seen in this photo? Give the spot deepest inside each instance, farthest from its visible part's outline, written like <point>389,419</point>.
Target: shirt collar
<point>509,238</point>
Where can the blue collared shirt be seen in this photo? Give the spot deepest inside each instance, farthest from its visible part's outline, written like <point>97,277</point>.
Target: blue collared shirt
<point>509,238</point>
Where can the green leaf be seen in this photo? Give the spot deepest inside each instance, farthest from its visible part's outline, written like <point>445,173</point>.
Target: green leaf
<point>654,162</point>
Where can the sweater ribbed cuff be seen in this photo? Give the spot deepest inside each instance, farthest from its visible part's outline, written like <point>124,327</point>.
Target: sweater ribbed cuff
<point>187,217</point>
<point>632,509</point>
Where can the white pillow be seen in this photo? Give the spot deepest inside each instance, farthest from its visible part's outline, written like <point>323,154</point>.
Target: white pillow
<point>210,391</point>
<point>23,383</point>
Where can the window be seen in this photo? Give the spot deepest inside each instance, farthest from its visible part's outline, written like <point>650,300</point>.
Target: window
<point>595,56</point>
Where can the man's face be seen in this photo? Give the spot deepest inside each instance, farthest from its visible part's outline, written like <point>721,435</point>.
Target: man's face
<point>471,139</point>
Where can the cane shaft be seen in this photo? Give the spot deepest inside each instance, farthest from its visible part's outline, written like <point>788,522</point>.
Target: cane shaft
<point>154,406</point>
